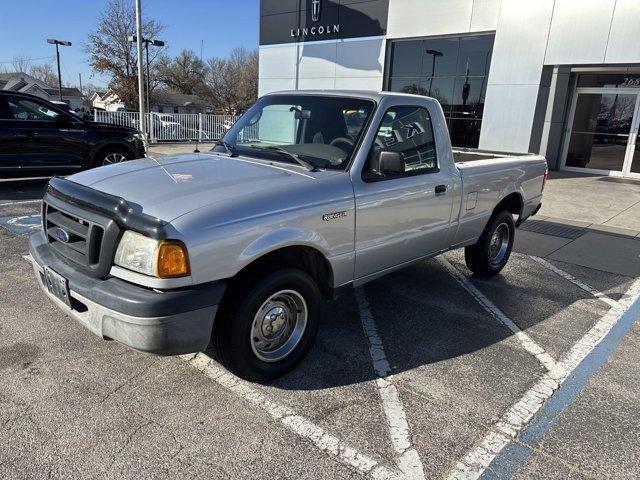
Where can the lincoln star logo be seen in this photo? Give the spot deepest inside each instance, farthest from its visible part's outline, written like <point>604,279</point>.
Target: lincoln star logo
<point>315,10</point>
<point>61,235</point>
<point>315,30</point>
<point>332,216</point>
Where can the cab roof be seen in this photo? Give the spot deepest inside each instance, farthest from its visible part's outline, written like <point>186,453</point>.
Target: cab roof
<point>366,94</point>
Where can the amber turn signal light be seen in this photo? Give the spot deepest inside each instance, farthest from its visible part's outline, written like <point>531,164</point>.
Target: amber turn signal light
<point>172,260</point>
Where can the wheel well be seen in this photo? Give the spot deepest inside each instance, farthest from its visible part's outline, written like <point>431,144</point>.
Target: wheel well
<point>112,146</point>
<point>302,257</point>
<point>512,203</point>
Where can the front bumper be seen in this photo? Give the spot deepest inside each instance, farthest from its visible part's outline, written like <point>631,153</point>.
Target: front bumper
<point>170,322</point>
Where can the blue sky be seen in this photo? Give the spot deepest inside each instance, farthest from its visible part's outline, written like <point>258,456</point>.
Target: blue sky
<point>26,24</point>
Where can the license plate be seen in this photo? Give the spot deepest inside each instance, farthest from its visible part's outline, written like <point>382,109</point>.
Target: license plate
<point>57,285</point>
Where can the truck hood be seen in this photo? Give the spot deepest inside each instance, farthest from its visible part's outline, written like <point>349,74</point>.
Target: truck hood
<point>172,186</point>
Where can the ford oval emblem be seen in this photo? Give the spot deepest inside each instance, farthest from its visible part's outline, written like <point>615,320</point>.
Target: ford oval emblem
<point>61,235</point>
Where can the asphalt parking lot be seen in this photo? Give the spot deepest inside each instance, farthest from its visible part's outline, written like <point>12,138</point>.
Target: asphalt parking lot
<point>426,373</point>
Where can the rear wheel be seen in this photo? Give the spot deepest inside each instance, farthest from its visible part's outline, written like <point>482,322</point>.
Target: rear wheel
<point>492,251</point>
<point>112,155</point>
<point>266,328</point>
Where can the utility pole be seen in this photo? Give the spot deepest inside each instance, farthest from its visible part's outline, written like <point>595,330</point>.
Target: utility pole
<point>56,42</point>
<point>80,81</point>
<point>143,126</point>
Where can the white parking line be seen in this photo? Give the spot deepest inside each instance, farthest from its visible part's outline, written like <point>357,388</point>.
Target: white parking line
<point>588,288</point>
<point>19,202</point>
<point>525,340</point>
<point>408,459</point>
<point>473,465</point>
<point>298,424</point>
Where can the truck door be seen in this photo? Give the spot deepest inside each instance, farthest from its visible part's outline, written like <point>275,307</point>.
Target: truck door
<point>402,216</point>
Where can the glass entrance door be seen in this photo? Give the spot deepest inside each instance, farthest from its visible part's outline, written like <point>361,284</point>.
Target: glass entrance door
<point>604,132</point>
<point>633,164</point>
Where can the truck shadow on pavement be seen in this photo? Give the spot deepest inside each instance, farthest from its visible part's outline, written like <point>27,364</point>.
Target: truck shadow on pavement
<point>424,317</point>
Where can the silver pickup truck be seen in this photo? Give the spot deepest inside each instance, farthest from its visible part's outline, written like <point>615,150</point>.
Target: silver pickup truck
<point>309,193</point>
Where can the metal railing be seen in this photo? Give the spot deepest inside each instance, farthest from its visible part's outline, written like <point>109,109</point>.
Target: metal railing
<point>172,127</point>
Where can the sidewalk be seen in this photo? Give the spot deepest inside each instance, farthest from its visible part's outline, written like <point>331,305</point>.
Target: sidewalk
<point>587,220</point>
<point>593,200</point>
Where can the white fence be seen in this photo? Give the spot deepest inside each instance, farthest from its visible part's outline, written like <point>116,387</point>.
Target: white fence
<point>172,127</point>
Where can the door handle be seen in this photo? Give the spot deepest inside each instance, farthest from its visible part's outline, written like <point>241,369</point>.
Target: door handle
<point>441,189</point>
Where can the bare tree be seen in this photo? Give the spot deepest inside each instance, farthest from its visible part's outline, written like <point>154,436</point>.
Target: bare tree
<point>111,52</point>
<point>89,89</point>
<point>45,73</point>
<point>232,83</point>
<point>184,74</point>
<point>21,63</point>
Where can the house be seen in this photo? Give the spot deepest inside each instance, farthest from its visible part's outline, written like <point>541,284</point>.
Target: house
<point>106,100</point>
<point>161,102</point>
<point>170,102</point>
<point>22,82</point>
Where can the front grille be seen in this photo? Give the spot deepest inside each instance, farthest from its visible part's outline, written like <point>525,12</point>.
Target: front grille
<point>77,239</point>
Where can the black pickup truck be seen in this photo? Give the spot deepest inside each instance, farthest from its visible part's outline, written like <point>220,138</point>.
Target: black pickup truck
<point>40,137</point>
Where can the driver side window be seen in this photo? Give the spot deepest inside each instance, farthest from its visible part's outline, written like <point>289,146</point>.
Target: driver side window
<point>407,130</point>
<point>26,109</point>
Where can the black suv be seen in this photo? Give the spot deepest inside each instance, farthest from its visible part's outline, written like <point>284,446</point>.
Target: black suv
<point>39,137</point>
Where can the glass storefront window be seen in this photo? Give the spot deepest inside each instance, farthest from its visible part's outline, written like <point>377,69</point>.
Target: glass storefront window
<point>468,97</point>
<point>475,55</point>
<point>453,70</point>
<point>439,57</point>
<point>463,132</point>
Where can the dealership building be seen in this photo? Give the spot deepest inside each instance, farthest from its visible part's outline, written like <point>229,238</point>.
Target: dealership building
<point>556,77</point>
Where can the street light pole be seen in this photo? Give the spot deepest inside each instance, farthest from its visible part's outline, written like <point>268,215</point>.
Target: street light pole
<point>146,47</point>
<point>143,126</point>
<point>147,42</point>
<point>56,42</point>
<point>435,53</point>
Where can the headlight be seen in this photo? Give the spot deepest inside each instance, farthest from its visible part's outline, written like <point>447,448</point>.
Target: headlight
<point>162,259</point>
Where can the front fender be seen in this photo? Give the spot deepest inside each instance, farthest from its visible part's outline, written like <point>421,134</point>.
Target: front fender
<point>282,238</point>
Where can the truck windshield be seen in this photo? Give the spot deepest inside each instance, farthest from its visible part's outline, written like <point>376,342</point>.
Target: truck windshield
<point>320,130</point>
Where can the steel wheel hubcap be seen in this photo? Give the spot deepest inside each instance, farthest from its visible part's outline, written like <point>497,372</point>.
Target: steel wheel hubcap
<point>499,244</point>
<point>114,158</point>
<point>278,325</point>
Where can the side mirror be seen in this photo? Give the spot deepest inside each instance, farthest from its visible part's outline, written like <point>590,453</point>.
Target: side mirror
<point>391,162</point>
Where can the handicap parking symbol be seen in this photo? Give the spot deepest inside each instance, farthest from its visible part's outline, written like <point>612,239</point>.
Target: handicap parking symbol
<point>22,224</point>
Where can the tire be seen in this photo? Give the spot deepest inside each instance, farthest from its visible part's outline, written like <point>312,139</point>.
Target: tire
<point>241,337</point>
<point>490,254</point>
<point>111,155</point>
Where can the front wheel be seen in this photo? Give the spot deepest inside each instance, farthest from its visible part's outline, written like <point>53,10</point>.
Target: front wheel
<point>490,254</point>
<point>266,328</point>
<point>112,155</point>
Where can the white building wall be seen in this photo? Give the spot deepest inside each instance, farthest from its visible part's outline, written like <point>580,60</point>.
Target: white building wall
<point>514,77</point>
<point>531,35</point>
<point>420,18</point>
<point>345,64</point>
<point>579,32</point>
<point>623,45</point>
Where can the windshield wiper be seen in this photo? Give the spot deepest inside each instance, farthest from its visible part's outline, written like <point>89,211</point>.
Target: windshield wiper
<point>228,147</point>
<point>298,160</point>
